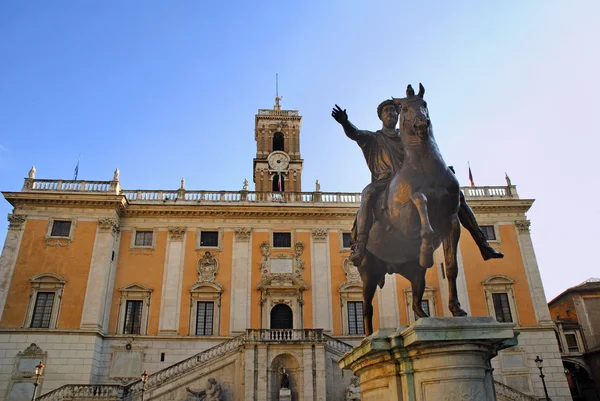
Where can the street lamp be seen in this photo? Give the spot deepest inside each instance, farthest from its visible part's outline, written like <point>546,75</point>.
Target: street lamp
<point>538,363</point>
<point>38,372</point>
<point>144,380</point>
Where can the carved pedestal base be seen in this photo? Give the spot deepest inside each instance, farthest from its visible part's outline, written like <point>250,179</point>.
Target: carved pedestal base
<point>434,359</point>
<point>285,394</point>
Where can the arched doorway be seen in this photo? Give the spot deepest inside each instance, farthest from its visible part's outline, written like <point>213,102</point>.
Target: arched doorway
<point>278,141</point>
<point>282,317</point>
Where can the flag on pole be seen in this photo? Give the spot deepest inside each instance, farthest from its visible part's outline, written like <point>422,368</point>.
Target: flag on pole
<point>471,182</point>
<point>77,168</point>
<point>279,181</point>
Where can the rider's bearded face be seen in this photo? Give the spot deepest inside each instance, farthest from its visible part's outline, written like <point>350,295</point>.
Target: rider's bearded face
<point>389,116</point>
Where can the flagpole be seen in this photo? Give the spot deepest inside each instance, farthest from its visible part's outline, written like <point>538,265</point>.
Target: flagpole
<point>77,168</point>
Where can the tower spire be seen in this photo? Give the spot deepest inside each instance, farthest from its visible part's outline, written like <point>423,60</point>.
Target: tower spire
<point>277,98</point>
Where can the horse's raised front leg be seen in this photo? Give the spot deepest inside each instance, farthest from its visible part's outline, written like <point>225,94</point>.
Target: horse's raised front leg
<point>450,251</point>
<point>426,251</point>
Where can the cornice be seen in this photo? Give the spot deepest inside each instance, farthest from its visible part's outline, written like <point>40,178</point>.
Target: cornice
<point>85,200</point>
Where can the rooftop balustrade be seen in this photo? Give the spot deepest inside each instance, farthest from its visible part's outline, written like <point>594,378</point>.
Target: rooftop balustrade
<point>182,195</point>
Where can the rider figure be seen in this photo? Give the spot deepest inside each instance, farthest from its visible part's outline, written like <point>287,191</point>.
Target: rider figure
<point>384,153</point>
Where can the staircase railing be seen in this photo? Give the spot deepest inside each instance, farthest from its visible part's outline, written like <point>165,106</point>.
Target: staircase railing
<point>510,393</point>
<point>156,379</point>
<point>336,345</point>
<point>71,391</point>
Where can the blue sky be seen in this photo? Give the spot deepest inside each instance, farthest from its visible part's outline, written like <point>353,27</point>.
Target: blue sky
<point>165,90</point>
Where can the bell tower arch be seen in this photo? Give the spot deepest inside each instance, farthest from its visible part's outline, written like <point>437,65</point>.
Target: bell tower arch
<point>277,165</point>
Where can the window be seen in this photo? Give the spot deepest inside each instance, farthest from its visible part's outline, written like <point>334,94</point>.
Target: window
<point>425,307</point>
<point>134,304</point>
<point>282,240</point>
<point>209,238</point>
<point>278,141</point>
<point>355,318</point>
<point>143,238</point>
<point>500,298</point>
<point>44,301</point>
<point>346,240</point>
<point>133,317</point>
<point>204,318</point>
<point>572,342</point>
<point>488,232</point>
<point>502,307</point>
<point>61,228</point>
<point>42,311</point>
<point>205,302</point>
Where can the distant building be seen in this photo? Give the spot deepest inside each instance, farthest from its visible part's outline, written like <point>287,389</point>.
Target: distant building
<point>102,282</point>
<point>577,316</point>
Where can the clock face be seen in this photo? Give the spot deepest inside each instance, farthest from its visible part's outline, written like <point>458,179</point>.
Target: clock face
<point>278,160</point>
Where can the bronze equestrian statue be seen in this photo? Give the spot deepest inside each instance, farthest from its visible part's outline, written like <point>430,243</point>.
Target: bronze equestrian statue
<point>412,205</point>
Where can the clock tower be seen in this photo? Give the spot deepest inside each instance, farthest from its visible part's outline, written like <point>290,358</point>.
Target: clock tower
<point>277,166</point>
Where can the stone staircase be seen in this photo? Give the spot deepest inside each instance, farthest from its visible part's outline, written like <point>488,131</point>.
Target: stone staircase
<point>161,382</point>
<point>109,392</point>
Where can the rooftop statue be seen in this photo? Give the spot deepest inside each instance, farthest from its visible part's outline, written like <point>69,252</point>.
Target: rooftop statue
<point>412,205</point>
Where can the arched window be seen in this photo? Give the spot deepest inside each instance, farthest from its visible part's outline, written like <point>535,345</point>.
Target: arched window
<point>282,317</point>
<point>278,141</point>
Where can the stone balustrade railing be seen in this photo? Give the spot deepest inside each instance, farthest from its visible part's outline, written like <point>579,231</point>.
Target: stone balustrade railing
<point>278,113</point>
<point>107,392</point>
<point>156,379</point>
<point>284,334</point>
<point>505,392</point>
<point>336,344</point>
<point>182,195</point>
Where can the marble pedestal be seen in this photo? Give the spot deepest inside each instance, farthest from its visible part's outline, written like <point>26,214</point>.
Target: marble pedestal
<point>285,394</point>
<point>434,359</point>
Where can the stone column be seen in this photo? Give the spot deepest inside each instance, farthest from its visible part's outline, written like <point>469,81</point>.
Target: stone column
<point>433,359</point>
<point>170,303</point>
<point>320,373</point>
<point>249,372</point>
<point>536,288</point>
<point>387,299</point>
<point>241,277</point>
<point>321,280</point>
<point>100,277</point>
<point>262,357</point>
<point>8,259</point>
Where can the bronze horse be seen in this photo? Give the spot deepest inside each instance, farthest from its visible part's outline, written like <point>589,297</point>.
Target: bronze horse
<point>417,213</point>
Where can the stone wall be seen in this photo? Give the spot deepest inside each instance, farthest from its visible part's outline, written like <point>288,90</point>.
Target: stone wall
<point>516,367</point>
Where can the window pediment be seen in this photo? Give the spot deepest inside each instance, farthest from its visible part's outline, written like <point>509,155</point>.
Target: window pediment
<point>135,287</point>
<point>48,278</point>
<point>204,287</point>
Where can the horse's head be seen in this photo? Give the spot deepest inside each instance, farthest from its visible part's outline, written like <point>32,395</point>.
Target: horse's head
<point>414,117</point>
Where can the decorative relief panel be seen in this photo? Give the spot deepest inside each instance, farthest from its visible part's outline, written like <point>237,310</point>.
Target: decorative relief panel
<point>282,262</point>
<point>352,274</point>
<point>207,268</point>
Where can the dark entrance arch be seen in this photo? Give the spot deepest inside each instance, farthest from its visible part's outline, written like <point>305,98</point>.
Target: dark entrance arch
<point>282,317</point>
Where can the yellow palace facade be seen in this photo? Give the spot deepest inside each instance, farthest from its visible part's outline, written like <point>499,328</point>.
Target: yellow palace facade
<point>102,282</point>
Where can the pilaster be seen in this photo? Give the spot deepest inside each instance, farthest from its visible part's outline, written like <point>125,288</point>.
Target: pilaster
<point>534,279</point>
<point>321,280</point>
<point>170,303</point>
<point>8,259</point>
<point>241,277</point>
<point>99,284</point>
<point>309,373</point>
<point>387,298</point>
